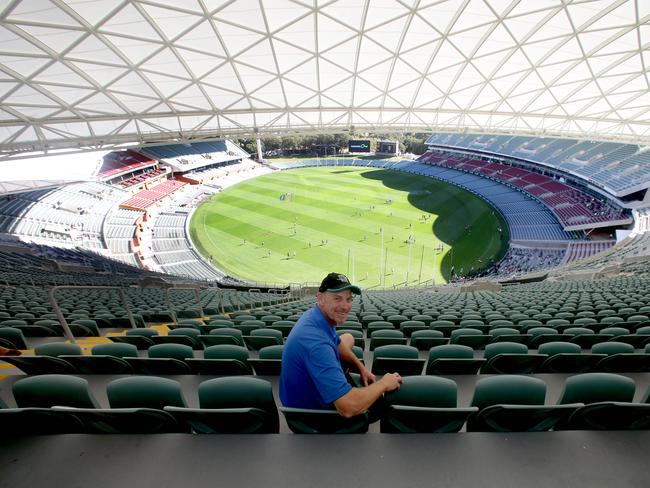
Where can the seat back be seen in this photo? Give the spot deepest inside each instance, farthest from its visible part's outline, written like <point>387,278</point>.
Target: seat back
<point>536,331</point>
<point>266,332</point>
<point>509,389</point>
<point>50,390</point>
<point>186,331</point>
<point>390,333</point>
<point>451,351</point>
<point>271,352</point>
<point>578,331</point>
<point>559,347</point>
<point>226,351</point>
<point>116,349</point>
<point>57,349</point>
<point>15,336</point>
<point>615,331</point>
<point>142,332</point>
<point>144,392</point>
<point>499,331</point>
<point>597,387</point>
<point>174,351</point>
<point>427,333</point>
<point>396,351</point>
<point>229,331</point>
<point>612,347</point>
<point>464,331</point>
<point>84,328</point>
<point>425,391</point>
<point>495,348</point>
<point>237,392</point>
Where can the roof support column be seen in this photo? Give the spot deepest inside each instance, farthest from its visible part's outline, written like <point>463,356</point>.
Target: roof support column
<point>258,142</point>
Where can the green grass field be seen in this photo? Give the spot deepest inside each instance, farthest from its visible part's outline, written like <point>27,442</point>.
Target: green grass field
<point>333,221</point>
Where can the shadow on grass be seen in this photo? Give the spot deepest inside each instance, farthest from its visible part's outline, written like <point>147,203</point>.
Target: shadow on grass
<point>452,233</point>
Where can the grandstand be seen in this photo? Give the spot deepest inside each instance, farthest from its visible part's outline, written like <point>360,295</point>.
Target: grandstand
<point>139,354</point>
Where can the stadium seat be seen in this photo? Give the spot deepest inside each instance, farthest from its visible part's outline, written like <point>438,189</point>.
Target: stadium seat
<point>222,359</point>
<point>410,326</point>
<point>608,398</point>
<point>449,359</point>
<point>621,358</point>
<point>115,349</point>
<point>99,364</point>
<point>382,337</point>
<point>231,405</point>
<point>142,332</point>
<point>566,357</point>
<point>249,325</point>
<point>225,335</point>
<point>163,359</point>
<point>585,337</point>
<point>444,326</point>
<point>188,336</point>
<point>14,336</point>
<point>513,403</point>
<point>140,342</point>
<point>269,360</point>
<point>84,328</point>
<point>135,408</point>
<point>510,358</point>
<point>541,335</point>
<point>48,390</point>
<point>398,358</point>
<point>56,349</point>
<point>424,404</point>
<point>597,387</point>
<point>424,340</point>
<point>144,392</point>
<point>473,338</point>
<point>283,326</point>
<point>508,334</point>
<point>308,421</point>
<point>379,325</point>
<point>260,338</point>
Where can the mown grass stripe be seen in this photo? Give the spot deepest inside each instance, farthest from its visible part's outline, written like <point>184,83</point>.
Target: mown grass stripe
<point>334,205</point>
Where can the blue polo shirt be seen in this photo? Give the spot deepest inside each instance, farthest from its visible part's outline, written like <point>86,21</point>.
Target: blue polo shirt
<point>311,375</point>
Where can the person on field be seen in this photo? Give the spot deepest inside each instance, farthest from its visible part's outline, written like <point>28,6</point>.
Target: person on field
<point>312,374</point>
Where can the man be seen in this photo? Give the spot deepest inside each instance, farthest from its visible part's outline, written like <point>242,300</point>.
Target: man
<point>312,375</point>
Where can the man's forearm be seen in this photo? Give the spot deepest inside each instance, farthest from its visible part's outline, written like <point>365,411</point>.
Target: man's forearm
<point>358,400</point>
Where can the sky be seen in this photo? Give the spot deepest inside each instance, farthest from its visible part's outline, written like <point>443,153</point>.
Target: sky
<point>79,166</point>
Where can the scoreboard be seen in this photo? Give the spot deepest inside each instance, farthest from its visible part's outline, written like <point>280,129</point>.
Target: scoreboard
<point>388,147</point>
<point>359,146</point>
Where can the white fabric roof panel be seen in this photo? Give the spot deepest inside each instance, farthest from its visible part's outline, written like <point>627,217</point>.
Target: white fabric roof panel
<point>91,73</point>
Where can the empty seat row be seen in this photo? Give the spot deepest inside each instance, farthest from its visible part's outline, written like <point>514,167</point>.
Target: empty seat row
<point>231,359</point>
<point>423,339</point>
<point>54,403</point>
<point>162,359</point>
<point>510,358</point>
<point>253,338</point>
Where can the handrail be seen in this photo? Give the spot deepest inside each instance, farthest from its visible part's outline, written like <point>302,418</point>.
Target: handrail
<point>57,310</point>
<point>196,289</point>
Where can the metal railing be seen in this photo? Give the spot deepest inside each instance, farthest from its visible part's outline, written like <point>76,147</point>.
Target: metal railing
<point>59,313</point>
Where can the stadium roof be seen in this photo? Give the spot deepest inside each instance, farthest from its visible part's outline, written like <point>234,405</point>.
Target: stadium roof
<point>101,74</point>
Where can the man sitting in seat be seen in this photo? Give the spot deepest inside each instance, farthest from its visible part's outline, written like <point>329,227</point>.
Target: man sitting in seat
<point>312,376</point>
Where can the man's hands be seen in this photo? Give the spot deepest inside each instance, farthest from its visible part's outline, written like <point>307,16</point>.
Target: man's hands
<point>358,400</point>
<point>391,381</point>
<point>367,377</point>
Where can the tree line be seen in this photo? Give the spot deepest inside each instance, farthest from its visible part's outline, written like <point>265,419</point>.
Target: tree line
<point>409,142</point>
